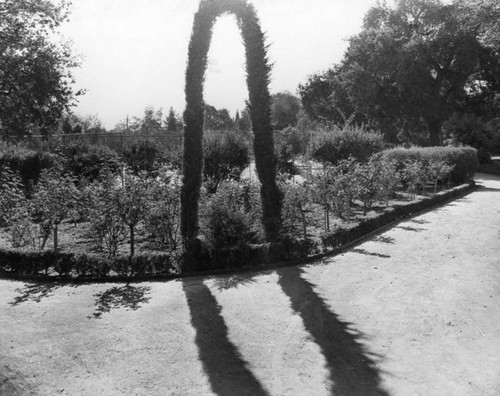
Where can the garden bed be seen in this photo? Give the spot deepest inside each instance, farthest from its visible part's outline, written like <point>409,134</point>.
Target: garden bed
<point>78,259</point>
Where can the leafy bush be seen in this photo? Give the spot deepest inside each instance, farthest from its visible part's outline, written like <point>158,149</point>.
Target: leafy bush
<point>226,156</point>
<point>28,164</point>
<point>85,265</point>
<point>11,195</point>
<point>296,207</point>
<point>463,159</point>
<point>90,161</point>
<point>232,216</point>
<point>144,155</point>
<point>331,147</point>
<point>163,220</point>
<point>375,181</point>
<point>297,140</point>
<point>107,227</point>
<point>54,197</point>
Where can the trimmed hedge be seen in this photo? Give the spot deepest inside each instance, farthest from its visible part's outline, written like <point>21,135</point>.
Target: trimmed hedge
<point>344,236</point>
<point>90,161</point>
<point>28,163</point>
<point>37,263</point>
<point>463,159</point>
<point>334,146</point>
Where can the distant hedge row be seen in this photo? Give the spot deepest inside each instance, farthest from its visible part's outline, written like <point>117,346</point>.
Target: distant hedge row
<point>39,263</point>
<point>463,159</point>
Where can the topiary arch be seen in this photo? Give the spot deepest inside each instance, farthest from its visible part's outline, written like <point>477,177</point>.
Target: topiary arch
<point>258,75</point>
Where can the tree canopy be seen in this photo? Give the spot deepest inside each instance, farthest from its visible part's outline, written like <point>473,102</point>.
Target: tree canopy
<point>410,69</point>
<point>35,67</point>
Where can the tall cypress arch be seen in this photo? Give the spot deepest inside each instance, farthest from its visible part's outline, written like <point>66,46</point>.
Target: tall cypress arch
<point>258,76</point>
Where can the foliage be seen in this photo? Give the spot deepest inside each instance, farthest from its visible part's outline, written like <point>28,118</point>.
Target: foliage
<point>107,227</point>
<point>132,202</point>
<point>285,108</point>
<point>411,67</point>
<point>162,222</point>
<point>375,180</point>
<point>232,217</point>
<point>296,207</point>
<point>463,159</point>
<point>85,265</point>
<point>217,120</point>
<point>87,161</point>
<point>35,67</point>
<point>143,155</point>
<point>330,147</point>
<point>28,164</point>
<point>11,195</point>
<point>293,137</point>
<point>226,156</point>
<point>55,195</point>
<point>472,130</point>
<point>258,74</point>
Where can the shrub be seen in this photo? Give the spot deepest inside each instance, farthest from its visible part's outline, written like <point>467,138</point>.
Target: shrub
<point>331,147</point>
<point>144,155</point>
<point>54,197</point>
<point>11,195</point>
<point>296,206</point>
<point>28,164</point>
<point>463,159</point>
<point>107,227</point>
<point>335,188</point>
<point>89,161</point>
<point>85,265</point>
<point>232,216</point>
<point>163,222</point>
<point>226,156</point>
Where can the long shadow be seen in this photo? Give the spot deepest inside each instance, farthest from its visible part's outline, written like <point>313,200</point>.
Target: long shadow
<point>352,369</point>
<point>128,297</point>
<point>385,239</point>
<point>227,371</point>
<point>363,251</point>
<point>36,292</point>
<point>408,228</point>
<point>226,282</point>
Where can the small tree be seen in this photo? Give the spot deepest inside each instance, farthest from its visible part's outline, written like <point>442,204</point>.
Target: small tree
<point>106,224</point>
<point>163,221</point>
<point>226,156</point>
<point>132,203</point>
<point>55,195</point>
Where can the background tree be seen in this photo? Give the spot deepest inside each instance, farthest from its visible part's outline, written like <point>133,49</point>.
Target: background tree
<point>35,67</point>
<point>172,121</point>
<point>217,120</point>
<point>284,108</point>
<point>410,69</point>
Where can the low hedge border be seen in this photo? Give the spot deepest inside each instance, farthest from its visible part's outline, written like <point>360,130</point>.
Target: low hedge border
<point>34,265</point>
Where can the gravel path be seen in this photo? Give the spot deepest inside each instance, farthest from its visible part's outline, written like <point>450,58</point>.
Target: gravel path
<point>414,310</point>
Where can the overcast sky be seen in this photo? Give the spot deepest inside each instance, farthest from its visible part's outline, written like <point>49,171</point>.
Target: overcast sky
<point>135,51</point>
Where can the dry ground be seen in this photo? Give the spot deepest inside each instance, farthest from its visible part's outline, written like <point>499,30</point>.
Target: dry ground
<point>414,310</point>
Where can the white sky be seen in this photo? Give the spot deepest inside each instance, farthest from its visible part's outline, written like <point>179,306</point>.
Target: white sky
<point>135,51</point>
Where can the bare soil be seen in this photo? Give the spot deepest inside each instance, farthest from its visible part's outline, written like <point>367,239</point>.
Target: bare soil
<point>414,310</point>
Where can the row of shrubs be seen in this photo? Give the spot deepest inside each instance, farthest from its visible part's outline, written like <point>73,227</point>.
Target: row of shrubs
<point>36,263</point>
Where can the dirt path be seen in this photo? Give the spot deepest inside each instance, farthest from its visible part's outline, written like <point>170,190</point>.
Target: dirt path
<point>412,311</point>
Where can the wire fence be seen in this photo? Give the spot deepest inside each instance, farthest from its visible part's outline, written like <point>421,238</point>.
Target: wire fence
<point>115,141</point>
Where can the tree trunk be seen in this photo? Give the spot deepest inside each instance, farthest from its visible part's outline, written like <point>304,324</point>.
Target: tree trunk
<point>132,241</point>
<point>434,132</point>
<point>56,242</point>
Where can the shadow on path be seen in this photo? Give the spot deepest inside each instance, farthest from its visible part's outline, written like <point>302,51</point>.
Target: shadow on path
<point>352,369</point>
<point>385,239</point>
<point>36,292</point>
<point>128,296</point>
<point>226,370</point>
<point>363,251</point>
<point>408,228</point>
